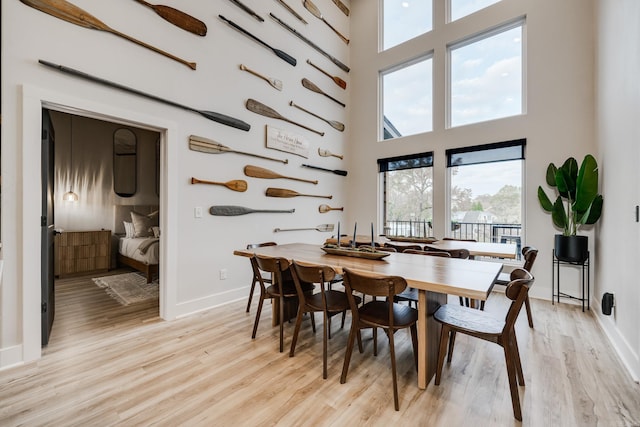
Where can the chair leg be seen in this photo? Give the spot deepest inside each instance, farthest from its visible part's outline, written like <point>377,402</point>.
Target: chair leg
<point>516,360</point>
<point>414,341</point>
<point>513,387</point>
<point>281,323</point>
<point>442,351</point>
<point>296,331</point>
<point>255,323</point>
<point>461,300</point>
<point>527,305</point>
<point>313,321</point>
<point>253,288</point>
<point>452,341</point>
<point>326,325</point>
<point>375,341</point>
<point>347,355</point>
<point>360,347</point>
<point>393,369</point>
<point>344,315</point>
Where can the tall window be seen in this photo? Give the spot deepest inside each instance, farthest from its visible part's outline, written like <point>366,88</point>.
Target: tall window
<point>461,8</point>
<point>407,104</point>
<point>486,76</point>
<point>404,20</point>
<point>485,194</point>
<point>408,194</point>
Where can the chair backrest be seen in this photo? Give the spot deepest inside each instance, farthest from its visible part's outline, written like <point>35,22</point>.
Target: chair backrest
<point>313,273</point>
<point>458,253</point>
<point>402,248</point>
<point>386,249</point>
<point>529,253</point>
<point>442,254</point>
<point>260,245</point>
<point>274,265</point>
<point>459,240</point>
<point>516,291</point>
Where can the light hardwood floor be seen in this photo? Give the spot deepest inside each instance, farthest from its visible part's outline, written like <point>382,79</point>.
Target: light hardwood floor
<point>113,365</point>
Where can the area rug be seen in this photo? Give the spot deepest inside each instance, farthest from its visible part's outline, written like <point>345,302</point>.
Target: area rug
<point>128,288</point>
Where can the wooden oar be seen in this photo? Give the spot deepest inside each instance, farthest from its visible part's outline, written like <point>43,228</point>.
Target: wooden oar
<point>71,13</point>
<point>321,227</point>
<point>336,79</point>
<point>204,145</point>
<point>336,171</point>
<point>327,208</point>
<point>310,43</point>
<point>178,18</point>
<point>258,172</point>
<point>326,153</point>
<point>259,108</point>
<point>343,7</point>
<point>280,54</point>
<point>273,82</point>
<point>283,192</point>
<point>334,124</point>
<point>235,185</point>
<point>248,10</point>
<point>231,210</point>
<point>293,12</point>
<point>308,4</point>
<point>211,115</point>
<point>312,87</point>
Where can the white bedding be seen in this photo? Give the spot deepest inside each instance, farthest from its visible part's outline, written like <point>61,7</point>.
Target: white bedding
<point>130,248</point>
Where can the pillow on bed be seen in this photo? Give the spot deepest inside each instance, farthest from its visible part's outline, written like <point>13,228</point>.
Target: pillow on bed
<point>142,224</point>
<point>156,231</point>
<point>129,232</point>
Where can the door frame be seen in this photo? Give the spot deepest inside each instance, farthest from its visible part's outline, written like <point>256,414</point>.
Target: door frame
<point>29,237</point>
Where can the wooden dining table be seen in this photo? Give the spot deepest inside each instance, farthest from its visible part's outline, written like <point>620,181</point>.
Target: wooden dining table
<point>433,277</point>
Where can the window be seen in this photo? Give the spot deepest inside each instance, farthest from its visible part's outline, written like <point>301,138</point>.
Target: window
<point>461,8</point>
<point>404,20</point>
<point>485,193</point>
<point>407,99</point>
<point>486,76</point>
<point>408,194</point>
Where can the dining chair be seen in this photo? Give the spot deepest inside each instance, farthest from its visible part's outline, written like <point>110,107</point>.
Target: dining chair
<point>385,314</point>
<point>266,277</point>
<point>281,289</point>
<point>480,324</point>
<point>529,254</point>
<point>329,302</point>
<point>459,240</point>
<point>402,248</point>
<point>411,294</point>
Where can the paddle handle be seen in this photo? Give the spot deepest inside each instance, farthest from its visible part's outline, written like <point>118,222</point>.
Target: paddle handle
<point>342,37</point>
<point>342,7</point>
<point>303,126</point>
<point>248,10</point>
<point>293,12</point>
<point>255,73</point>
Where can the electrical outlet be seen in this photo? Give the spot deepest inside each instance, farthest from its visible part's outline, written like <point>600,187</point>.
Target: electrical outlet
<point>223,274</point>
<point>197,212</point>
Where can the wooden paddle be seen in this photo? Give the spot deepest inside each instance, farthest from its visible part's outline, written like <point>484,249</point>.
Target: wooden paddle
<point>71,13</point>
<point>248,10</point>
<point>259,108</point>
<point>309,85</point>
<point>321,227</point>
<point>283,192</point>
<point>211,115</point>
<point>293,12</point>
<point>308,4</point>
<point>280,54</point>
<point>334,124</point>
<point>235,185</point>
<point>327,208</point>
<point>258,172</point>
<point>230,210</point>
<point>336,171</point>
<point>273,82</point>
<point>178,18</point>
<point>326,153</point>
<point>343,7</point>
<point>336,79</point>
<point>204,145</point>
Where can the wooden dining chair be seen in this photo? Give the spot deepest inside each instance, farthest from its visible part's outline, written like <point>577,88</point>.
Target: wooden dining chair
<point>329,302</point>
<point>282,288</point>
<point>529,254</point>
<point>411,294</point>
<point>265,277</point>
<point>402,248</point>
<point>459,240</point>
<point>385,314</point>
<point>480,324</point>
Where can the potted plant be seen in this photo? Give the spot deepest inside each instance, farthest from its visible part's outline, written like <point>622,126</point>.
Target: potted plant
<point>578,203</point>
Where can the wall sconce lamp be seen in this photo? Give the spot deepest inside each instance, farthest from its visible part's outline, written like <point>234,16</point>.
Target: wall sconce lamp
<point>70,196</point>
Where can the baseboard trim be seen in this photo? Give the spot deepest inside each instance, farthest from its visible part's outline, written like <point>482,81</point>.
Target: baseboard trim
<point>11,357</point>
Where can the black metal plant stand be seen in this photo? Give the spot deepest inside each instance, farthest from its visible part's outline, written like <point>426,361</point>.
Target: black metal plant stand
<point>555,272</point>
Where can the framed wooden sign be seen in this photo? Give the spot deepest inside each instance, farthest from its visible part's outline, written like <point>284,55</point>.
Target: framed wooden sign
<point>288,142</point>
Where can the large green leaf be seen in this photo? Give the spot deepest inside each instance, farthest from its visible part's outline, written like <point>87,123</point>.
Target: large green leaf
<point>571,167</point>
<point>566,184</point>
<point>586,184</point>
<point>558,215</point>
<point>594,211</point>
<point>544,200</point>
<point>551,175</point>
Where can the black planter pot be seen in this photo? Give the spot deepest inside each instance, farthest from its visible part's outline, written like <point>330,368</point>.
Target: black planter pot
<point>572,248</point>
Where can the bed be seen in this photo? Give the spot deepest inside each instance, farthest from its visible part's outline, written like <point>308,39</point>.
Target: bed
<point>139,247</point>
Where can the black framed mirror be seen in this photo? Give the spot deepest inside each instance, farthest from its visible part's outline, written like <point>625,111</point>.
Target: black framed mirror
<point>125,162</point>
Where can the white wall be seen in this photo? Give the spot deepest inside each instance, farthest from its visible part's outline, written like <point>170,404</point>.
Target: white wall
<point>194,250</point>
<point>618,134</point>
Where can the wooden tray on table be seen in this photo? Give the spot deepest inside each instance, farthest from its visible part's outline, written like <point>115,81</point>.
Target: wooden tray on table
<point>360,252</point>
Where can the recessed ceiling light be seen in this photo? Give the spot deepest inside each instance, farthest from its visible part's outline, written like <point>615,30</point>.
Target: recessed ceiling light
<point>405,4</point>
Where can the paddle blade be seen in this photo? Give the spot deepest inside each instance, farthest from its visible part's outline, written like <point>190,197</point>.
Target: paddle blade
<point>181,19</point>
<point>325,227</point>
<point>339,172</point>
<point>225,120</point>
<point>285,57</point>
<point>259,108</point>
<point>281,192</point>
<point>68,12</point>
<point>204,145</point>
<point>237,185</point>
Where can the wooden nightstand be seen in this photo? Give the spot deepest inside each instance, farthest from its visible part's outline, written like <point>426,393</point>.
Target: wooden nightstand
<point>80,252</point>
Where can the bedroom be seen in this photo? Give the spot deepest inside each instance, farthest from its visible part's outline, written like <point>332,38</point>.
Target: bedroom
<point>113,169</point>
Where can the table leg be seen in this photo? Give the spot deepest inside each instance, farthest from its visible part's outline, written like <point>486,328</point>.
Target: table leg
<point>428,335</point>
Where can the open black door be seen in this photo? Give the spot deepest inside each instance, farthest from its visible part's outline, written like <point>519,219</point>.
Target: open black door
<point>47,227</point>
